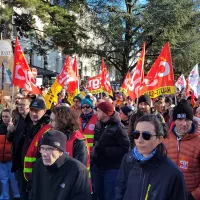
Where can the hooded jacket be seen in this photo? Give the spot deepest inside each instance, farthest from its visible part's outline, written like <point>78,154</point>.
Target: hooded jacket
<point>111,143</point>
<point>155,179</point>
<point>185,153</point>
<point>66,179</point>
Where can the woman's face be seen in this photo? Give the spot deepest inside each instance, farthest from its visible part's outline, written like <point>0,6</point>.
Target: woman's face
<point>145,147</point>
<point>53,122</point>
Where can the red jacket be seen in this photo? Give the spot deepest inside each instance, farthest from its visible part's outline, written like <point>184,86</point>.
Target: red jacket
<point>185,153</point>
<point>5,146</point>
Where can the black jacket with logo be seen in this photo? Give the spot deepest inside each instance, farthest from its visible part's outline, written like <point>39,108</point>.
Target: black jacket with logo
<point>156,179</point>
<point>66,179</point>
<point>111,143</point>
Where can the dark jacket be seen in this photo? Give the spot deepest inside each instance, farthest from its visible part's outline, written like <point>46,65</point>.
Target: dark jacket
<point>66,179</point>
<point>27,136</point>
<point>111,143</point>
<point>157,178</point>
<point>15,136</point>
<point>80,151</point>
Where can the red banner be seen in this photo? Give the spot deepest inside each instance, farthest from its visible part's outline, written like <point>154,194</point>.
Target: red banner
<point>67,74</point>
<point>105,80</point>
<point>160,78</point>
<point>73,86</point>
<point>22,74</point>
<point>125,88</point>
<point>94,84</point>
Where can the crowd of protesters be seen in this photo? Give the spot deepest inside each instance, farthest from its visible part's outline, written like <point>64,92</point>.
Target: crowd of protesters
<point>100,147</point>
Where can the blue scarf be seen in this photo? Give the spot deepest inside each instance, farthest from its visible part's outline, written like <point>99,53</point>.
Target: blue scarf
<point>138,156</point>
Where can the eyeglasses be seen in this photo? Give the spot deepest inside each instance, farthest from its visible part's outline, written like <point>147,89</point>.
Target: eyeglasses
<point>83,107</point>
<point>47,150</point>
<point>146,135</point>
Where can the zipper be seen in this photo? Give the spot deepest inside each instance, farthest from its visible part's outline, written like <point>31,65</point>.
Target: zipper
<point>142,185</point>
<point>178,149</point>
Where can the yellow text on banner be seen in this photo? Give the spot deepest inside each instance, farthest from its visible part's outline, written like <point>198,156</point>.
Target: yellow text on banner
<point>161,90</point>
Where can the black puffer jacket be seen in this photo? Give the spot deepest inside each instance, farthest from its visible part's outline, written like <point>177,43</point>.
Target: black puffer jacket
<point>111,143</point>
<point>158,179</point>
<point>66,179</point>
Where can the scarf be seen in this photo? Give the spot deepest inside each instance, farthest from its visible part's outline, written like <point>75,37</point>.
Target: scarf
<point>138,156</point>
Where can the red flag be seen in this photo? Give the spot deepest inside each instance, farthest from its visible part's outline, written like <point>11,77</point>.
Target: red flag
<point>94,84</point>
<point>125,88</point>
<point>22,74</point>
<point>74,67</point>
<point>160,78</point>
<point>138,75</point>
<point>105,80</point>
<point>67,74</point>
<point>73,86</point>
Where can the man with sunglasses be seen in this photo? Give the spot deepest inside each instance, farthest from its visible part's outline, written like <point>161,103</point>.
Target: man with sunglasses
<point>111,144</point>
<point>88,120</point>
<point>183,147</point>
<point>56,175</point>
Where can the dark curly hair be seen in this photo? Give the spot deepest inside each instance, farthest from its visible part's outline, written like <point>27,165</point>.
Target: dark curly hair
<point>66,119</point>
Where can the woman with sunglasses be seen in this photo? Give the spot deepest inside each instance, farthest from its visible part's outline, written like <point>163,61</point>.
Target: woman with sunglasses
<point>146,173</point>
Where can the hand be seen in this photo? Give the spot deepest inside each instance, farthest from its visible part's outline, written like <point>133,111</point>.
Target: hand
<point>10,127</point>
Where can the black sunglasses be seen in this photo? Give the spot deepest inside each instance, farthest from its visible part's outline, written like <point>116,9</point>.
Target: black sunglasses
<point>145,134</point>
<point>83,107</point>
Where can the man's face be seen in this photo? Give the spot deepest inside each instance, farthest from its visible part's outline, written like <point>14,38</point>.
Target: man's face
<point>23,106</point>
<point>49,154</point>
<point>183,126</point>
<point>77,103</point>
<point>100,115</point>
<point>86,109</point>
<point>6,117</point>
<point>36,114</point>
<point>6,99</point>
<point>144,107</point>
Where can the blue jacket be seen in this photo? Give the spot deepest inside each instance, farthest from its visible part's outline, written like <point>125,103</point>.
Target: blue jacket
<point>155,179</point>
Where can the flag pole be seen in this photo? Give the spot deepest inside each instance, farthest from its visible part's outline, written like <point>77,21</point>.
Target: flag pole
<point>12,101</point>
<point>2,84</point>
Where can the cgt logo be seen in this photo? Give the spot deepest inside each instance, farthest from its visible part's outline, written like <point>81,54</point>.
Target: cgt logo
<point>94,83</point>
<point>26,76</point>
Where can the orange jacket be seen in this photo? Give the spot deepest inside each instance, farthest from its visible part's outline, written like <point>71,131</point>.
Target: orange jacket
<point>5,146</point>
<point>185,153</point>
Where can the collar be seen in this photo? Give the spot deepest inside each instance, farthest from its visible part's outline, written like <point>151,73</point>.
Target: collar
<point>57,164</point>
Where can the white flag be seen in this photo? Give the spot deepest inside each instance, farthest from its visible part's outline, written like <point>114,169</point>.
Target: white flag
<point>181,82</point>
<point>193,80</point>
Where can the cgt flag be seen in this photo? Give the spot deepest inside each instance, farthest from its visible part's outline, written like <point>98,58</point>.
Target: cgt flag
<point>94,84</point>
<point>138,76</point>
<point>160,78</point>
<point>22,74</point>
<point>105,83</point>
<point>125,88</point>
<point>73,86</point>
<point>66,75</point>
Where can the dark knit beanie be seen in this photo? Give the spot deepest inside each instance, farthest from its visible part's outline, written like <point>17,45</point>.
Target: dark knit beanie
<point>145,98</point>
<point>106,107</point>
<point>183,111</point>
<point>126,110</point>
<point>55,139</point>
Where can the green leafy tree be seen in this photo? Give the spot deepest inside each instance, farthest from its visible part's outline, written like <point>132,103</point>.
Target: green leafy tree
<point>124,25</point>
